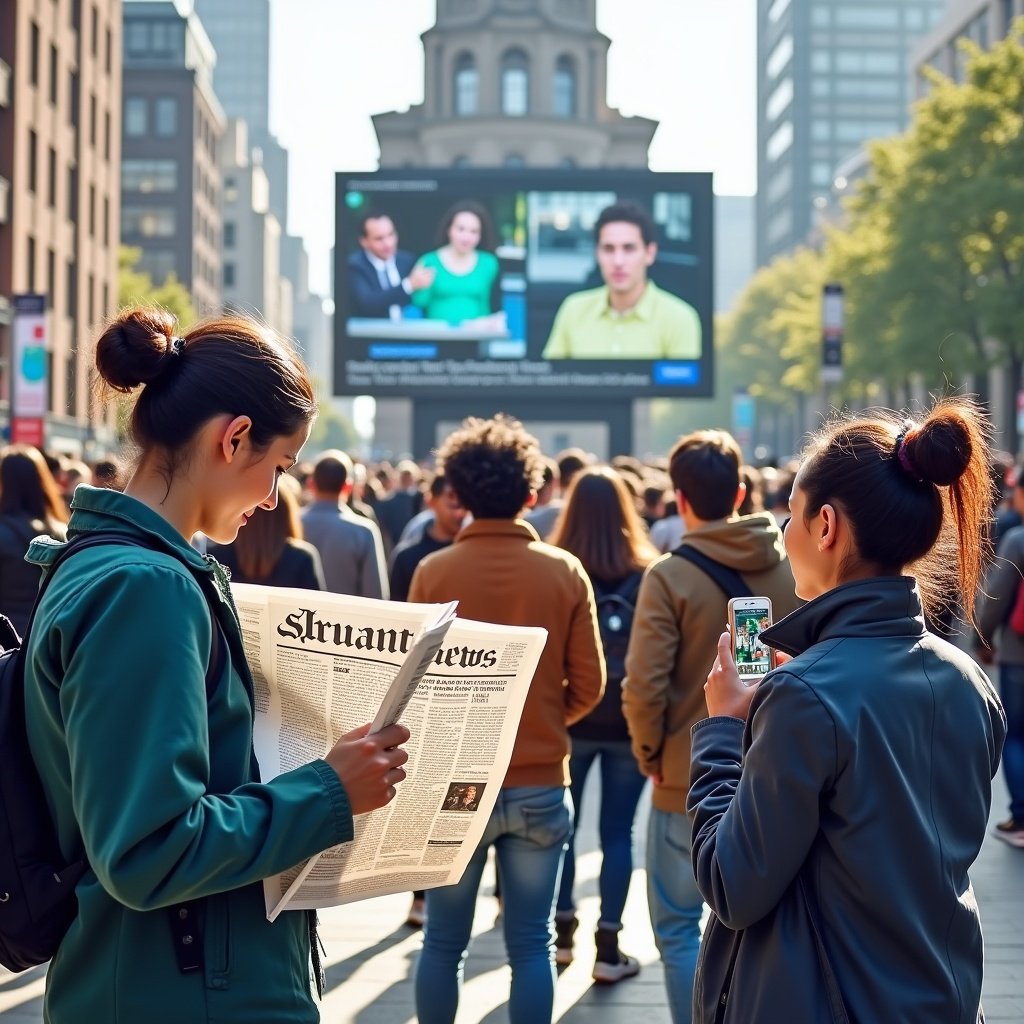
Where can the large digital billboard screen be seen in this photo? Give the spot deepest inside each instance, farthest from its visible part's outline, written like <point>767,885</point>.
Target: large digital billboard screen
<point>584,284</point>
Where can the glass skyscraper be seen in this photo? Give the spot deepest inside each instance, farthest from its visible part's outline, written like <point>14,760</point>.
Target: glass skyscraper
<point>832,74</point>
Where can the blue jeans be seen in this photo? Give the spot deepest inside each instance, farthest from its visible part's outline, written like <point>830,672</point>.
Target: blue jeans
<point>675,904</point>
<point>621,786</point>
<point>1011,692</point>
<point>529,828</point>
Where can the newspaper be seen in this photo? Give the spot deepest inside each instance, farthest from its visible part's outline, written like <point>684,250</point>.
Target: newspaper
<point>324,664</point>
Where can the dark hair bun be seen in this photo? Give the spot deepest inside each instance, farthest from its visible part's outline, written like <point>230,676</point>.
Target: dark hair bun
<point>135,347</point>
<point>940,449</point>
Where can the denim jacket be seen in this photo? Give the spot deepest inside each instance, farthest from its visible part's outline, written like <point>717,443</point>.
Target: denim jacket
<point>864,768</point>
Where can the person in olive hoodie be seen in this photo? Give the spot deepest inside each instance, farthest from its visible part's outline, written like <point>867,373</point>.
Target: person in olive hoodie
<point>839,805</point>
<point>152,780</point>
<point>679,615</point>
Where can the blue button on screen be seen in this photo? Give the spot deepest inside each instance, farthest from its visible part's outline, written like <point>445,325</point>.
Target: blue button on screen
<point>403,351</point>
<point>676,374</point>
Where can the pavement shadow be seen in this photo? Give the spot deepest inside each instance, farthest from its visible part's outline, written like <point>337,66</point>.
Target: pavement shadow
<point>338,973</point>
<point>398,1001</point>
<point>15,981</point>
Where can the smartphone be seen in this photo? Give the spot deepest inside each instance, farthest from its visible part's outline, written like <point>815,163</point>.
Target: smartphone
<point>748,616</point>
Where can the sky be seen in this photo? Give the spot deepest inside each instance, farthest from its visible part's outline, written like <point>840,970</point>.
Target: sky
<point>690,64</point>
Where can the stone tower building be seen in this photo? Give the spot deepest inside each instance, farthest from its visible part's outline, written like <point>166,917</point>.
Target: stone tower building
<point>514,83</point>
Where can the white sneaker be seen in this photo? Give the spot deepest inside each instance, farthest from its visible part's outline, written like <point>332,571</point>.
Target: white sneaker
<point>1011,832</point>
<point>626,967</point>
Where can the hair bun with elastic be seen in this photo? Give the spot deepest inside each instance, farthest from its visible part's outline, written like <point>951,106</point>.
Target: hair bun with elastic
<point>940,449</point>
<point>136,348</point>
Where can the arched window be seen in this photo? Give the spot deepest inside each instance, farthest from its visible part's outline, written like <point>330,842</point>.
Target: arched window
<point>461,161</point>
<point>515,83</point>
<point>564,92</point>
<point>467,85</point>
<point>514,160</point>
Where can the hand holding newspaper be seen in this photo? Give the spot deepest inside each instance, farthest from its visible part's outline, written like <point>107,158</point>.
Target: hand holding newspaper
<point>324,664</point>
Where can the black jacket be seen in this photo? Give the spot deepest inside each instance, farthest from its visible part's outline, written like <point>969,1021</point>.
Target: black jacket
<point>299,566</point>
<point>864,768</point>
<point>19,580</point>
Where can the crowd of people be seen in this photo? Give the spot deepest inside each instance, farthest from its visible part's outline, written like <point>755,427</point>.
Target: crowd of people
<point>828,816</point>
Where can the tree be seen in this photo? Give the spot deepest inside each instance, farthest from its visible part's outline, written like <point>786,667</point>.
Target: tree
<point>136,288</point>
<point>771,343</point>
<point>332,429</point>
<point>933,257</point>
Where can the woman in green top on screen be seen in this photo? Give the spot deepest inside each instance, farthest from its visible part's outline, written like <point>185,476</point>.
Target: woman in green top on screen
<point>464,273</point>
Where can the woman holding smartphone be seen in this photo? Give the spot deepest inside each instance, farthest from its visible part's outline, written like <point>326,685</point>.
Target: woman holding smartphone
<point>144,754</point>
<point>839,804</point>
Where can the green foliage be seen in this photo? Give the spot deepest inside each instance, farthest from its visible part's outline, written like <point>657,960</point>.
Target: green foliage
<point>771,342</point>
<point>931,255</point>
<point>135,288</point>
<point>332,429</point>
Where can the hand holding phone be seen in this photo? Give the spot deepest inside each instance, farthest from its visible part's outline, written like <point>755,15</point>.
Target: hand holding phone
<point>748,618</point>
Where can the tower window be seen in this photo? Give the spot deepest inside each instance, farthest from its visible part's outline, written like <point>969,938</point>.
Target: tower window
<point>515,84</point>
<point>467,86</point>
<point>564,92</point>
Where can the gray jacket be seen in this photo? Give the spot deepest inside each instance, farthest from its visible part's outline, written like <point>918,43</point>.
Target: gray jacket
<point>993,607</point>
<point>864,768</point>
<point>350,547</point>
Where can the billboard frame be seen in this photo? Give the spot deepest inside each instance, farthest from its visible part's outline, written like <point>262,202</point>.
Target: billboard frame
<point>623,377</point>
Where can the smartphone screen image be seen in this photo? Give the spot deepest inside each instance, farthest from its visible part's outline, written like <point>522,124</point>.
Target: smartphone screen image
<point>748,618</point>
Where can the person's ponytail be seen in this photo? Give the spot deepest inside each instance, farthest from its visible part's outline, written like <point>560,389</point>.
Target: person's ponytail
<point>918,495</point>
<point>228,364</point>
<point>136,348</point>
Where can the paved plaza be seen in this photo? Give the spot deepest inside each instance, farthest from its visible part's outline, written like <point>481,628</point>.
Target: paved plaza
<point>371,954</point>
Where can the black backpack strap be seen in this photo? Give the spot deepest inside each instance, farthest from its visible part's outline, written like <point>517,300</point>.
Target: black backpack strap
<point>182,917</point>
<point>729,581</point>
<point>214,666</point>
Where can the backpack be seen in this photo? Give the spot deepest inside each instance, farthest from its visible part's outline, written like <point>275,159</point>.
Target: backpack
<point>37,885</point>
<point>616,609</point>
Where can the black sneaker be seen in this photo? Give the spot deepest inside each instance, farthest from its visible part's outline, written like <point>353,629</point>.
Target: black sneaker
<point>612,964</point>
<point>417,913</point>
<point>1011,831</point>
<point>623,967</point>
<point>565,929</point>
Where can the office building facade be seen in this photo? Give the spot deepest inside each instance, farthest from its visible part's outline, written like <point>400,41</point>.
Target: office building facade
<point>832,74</point>
<point>240,31</point>
<point>60,142</point>
<point>253,284</point>
<point>172,133</point>
<point>983,22</point>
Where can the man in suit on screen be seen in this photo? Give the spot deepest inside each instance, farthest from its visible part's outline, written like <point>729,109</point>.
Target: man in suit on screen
<point>382,277</point>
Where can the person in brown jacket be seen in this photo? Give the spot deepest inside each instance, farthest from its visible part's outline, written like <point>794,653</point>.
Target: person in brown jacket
<point>679,617</point>
<point>500,571</point>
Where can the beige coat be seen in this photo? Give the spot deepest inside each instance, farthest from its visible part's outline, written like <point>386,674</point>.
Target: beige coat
<point>680,615</point>
<point>500,571</point>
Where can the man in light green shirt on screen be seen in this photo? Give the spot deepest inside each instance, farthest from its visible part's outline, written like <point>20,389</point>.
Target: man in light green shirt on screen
<point>629,317</point>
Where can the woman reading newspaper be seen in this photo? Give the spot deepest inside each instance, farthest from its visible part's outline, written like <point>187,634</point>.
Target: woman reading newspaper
<point>147,764</point>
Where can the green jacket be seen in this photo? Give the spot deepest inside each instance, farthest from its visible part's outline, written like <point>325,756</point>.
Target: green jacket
<point>161,790</point>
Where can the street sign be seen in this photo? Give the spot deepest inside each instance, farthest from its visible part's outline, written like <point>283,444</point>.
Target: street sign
<point>832,334</point>
<point>744,415</point>
<point>29,390</point>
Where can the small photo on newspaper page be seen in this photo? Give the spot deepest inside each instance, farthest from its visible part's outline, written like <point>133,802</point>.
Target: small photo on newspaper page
<point>464,796</point>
